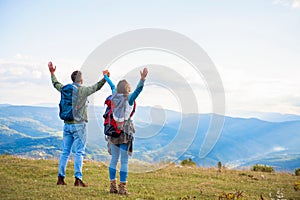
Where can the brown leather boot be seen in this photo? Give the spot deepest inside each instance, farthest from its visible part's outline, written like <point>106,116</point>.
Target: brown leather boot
<point>60,181</point>
<point>113,187</point>
<point>80,183</point>
<point>123,190</point>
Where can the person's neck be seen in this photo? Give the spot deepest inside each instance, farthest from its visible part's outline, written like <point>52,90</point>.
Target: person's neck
<point>77,83</point>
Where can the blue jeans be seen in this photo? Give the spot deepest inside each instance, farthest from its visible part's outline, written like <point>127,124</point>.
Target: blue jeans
<point>116,150</point>
<point>74,135</point>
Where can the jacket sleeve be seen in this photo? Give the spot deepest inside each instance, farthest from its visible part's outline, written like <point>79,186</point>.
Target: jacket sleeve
<point>87,91</point>
<point>135,94</point>
<point>110,83</point>
<point>57,85</point>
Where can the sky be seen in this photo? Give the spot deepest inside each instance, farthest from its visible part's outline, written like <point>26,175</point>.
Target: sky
<point>254,45</point>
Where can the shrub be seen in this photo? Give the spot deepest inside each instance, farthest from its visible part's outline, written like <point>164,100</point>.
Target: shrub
<point>297,185</point>
<point>262,168</point>
<point>219,166</point>
<point>297,172</point>
<point>188,162</point>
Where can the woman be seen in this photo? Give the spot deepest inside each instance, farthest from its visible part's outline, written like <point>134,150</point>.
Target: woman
<point>121,146</point>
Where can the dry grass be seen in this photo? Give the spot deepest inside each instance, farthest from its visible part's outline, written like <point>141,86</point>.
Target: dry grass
<point>36,179</point>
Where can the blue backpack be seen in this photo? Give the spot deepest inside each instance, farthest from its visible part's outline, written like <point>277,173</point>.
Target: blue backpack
<point>68,108</point>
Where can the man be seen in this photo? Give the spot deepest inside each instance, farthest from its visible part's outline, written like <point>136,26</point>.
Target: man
<point>74,132</point>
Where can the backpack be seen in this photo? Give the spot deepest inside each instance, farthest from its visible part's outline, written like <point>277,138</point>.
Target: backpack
<point>68,109</point>
<point>114,125</point>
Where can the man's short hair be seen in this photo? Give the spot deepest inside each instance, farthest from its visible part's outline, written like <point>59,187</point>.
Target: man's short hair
<point>76,76</point>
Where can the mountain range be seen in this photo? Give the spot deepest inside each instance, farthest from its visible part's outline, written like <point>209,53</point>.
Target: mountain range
<point>161,135</point>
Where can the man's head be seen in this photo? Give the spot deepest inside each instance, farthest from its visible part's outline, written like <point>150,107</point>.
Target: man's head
<point>76,77</point>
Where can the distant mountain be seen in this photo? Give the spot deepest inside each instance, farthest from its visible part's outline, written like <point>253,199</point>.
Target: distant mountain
<point>249,141</point>
<point>161,135</point>
<point>4,105</point>
<point>270,116</point>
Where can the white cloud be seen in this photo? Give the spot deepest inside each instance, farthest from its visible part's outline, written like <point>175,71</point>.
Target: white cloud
<point>290,3</point>
<point>20,56</point>
<point>26,80</point>
<point>278,148</point>
<point>16,71</point>
<point>2,70</point>
<point>296,4</point>
<point>37,74</point>
<point>244,90</point>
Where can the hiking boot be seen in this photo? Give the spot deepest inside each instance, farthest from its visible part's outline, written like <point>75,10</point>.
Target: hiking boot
<point>123,190</point>
<point>113,187</point>
<point>79,183</point>
<point>60,181</point>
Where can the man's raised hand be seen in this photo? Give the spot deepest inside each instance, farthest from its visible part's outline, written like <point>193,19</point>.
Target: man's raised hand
<point>106,72</point>
<point>51,68</point>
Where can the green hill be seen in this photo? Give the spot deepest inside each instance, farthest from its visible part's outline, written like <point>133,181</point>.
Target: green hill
<point>36,132</point>
<point>36,179</point>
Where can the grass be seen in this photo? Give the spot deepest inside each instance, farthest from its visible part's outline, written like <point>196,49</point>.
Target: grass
<point>36,179</point>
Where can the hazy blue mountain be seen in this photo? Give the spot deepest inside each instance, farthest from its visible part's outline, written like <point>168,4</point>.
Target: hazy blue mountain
<point>270,116</point>
<point>4,105</point>
<point>161,135</point>
<point>249,141</point>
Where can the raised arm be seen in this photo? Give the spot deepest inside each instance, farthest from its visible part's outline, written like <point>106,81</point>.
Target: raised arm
<point>139,87</point>
<point>87,91</point>
<point>111,84</point>
<point>57,85</point>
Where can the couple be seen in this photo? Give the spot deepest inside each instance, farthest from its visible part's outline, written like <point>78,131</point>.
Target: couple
<point>75,133</point>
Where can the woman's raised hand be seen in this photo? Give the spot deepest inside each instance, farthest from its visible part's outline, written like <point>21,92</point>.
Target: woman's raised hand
<point>144,74</point>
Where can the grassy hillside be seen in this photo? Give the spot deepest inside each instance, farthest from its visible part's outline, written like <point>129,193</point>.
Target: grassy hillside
<point>36,179</point>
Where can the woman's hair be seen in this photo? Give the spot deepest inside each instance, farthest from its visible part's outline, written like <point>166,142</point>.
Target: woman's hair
<point>123,87</point>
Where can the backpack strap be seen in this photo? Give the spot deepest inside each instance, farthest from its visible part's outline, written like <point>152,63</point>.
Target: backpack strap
<point>133,110</point>
<point>76,85</point>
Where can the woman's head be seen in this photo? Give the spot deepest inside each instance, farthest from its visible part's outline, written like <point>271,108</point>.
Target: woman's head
<point>123,87</point>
